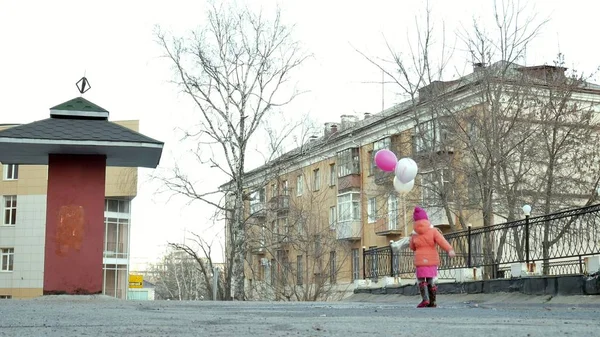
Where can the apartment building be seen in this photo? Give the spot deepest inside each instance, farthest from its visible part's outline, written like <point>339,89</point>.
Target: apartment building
<point>312,211</point>
<point>23,190</point>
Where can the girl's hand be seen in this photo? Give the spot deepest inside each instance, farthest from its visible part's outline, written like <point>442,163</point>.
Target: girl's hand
<point>451,253</point>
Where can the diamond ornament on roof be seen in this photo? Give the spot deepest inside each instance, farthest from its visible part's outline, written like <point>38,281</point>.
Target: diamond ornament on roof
<point>83,85</point>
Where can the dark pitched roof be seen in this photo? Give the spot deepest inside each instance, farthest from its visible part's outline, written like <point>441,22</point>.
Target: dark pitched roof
<point>76,130</point>
<point>79,104</point>
<point>147,284</point>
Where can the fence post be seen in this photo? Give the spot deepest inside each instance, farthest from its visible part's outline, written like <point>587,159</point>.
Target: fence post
<point>364,263</point>
<point>527,239</point>
<point>469,246</point>
<point>391,259</point>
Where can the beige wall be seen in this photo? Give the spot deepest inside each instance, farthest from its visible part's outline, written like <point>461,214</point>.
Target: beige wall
<point>21,292</point>
<point>33,179</point>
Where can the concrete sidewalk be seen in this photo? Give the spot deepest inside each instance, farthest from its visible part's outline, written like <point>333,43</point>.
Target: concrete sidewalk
<point>494,299</point>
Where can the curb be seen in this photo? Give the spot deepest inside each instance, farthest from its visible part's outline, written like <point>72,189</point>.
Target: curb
<point>542,285</point>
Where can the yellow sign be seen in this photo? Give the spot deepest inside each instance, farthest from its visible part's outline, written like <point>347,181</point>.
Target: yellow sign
<point>136,281</point>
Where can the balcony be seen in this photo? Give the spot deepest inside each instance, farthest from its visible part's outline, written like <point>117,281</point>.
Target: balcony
<point>259,249</point>
<point>281,238</point>
<point>279,203</point>
<point>349,182</point>
<point>258,210</point>
<point>383,178</point>
<point>348,230</point>
<point>437,216</point>
<point>383,227</point>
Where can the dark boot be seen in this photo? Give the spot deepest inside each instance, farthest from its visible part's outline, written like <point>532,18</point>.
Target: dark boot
<point>432,295</point>
<point>424,295</point>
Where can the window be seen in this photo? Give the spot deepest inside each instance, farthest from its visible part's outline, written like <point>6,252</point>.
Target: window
<point>355,264</point>
<point>316,180</point>
<point>332,217</point>
<point>299,185</point>
<point>332,268</point>
<point>299,270</point>
<point>10,210</point>
<point>116,205</point>
<point>5,297</point>
<point>332,175</point>
<point>283,266</point>
<point>473,130</point>
<point>273,271</point>
<point>372,210</point>
<point>348,162</point>
<point>283,228</point>
<point>372,165</point>
<point>116,237</point>
<point>274,190</point>
<point>257,201</point>
<point>318,246</point>
<point>260,269</point>
<point>11,172</point>
<point>349,207</point>
<point>473,189</point>
<point>275,230</point>
<point>424,136</point>
<point>301,225</point>
<point>7,257</point>
<point>263,236</point>
<point>433,183</point>
<point>392,212</point>
<point>381,144</point>
<point>430,136</point>
<point>285,188</point>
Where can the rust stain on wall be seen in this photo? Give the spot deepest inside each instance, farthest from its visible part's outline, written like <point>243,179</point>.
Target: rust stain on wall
<point>70,230</point>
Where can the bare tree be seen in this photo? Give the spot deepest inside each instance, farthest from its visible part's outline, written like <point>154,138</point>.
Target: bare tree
<point>199,252</point>
<point>567,157</point>
<point>296,254</point>
<point>236,71</point>
<point>418,74</point>
<point>505,144</point>
<point>177,277</point>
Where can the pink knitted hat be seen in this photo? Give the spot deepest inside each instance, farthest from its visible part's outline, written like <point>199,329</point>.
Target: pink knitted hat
<point>420,214</point>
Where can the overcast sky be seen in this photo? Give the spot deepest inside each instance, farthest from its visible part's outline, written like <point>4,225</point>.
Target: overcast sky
<point>46,46</point>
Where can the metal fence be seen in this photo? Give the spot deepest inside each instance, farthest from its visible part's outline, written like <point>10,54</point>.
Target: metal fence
<point>559,241</point>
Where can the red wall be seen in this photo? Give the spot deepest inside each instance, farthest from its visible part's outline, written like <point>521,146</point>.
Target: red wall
<point>74,224</point>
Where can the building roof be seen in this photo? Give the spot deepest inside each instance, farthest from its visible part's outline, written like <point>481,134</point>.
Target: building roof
<point>395,111</point>
<point>79,104</point>
<point>76,130</point>
<point>147,284</point>
<point>78,127</point>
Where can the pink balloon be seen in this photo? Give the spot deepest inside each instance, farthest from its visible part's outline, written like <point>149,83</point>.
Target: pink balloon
<point>386,160</point>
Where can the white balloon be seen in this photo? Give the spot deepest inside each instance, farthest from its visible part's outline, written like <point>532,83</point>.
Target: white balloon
<point>403,188</point>
<point>406,170</point>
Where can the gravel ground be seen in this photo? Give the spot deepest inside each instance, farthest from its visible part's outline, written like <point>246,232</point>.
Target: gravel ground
<point>101,316</point>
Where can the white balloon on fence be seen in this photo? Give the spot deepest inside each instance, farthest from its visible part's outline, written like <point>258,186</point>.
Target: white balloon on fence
<point>403,188</point>
<point>406,170</point>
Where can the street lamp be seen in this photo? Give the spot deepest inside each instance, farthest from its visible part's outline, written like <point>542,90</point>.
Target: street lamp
<point>527,212</point>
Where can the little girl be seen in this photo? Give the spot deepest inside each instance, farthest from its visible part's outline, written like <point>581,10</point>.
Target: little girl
<point>423,242</point>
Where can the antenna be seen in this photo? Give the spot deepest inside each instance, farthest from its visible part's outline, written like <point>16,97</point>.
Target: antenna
<point>382,90</point>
